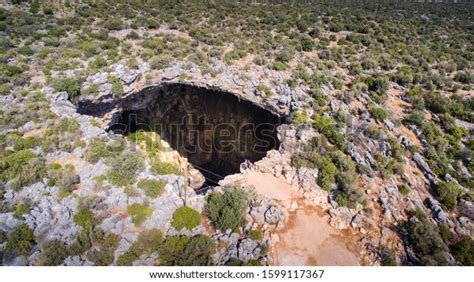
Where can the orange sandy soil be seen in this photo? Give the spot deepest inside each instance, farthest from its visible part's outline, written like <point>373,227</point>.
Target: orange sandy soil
<point>307,238</point>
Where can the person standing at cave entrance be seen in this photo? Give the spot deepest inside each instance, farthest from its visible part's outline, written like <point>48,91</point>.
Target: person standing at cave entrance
<point>247,165</point>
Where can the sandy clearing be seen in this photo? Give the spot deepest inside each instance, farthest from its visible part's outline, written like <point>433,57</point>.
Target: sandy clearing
<point>268,185</point>
<point>307,238</point>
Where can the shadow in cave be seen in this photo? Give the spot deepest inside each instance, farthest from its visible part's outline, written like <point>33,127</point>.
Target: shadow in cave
<point>215,130</point>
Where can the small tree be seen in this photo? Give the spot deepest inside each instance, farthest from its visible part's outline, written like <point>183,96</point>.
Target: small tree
<point>225,210</point>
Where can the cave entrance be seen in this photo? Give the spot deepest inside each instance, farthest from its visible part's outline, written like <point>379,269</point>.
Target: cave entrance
<point>215,130</point>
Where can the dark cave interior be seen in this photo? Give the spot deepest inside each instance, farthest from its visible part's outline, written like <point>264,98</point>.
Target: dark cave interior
<point>215,130</point>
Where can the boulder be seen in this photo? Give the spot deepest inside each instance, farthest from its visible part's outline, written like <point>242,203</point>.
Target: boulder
<point>248,249</point>
<point>420,162</point>
<point>274,215</point>
<point>438,211</point>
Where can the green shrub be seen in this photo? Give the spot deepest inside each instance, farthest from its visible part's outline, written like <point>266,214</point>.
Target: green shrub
<point>448,193</point>
<point>379,113</point>
<point>388,257</point>
<point>163,168</point>
<point>327,127</point>
<point>463,251</point>
<point>126,259</point>
<point>327,173</point>
<point>26,143</point>
<point>85,220</point>
<point>226,210</point>
<point>21,210</point>
<point>404,189</point>
<point>185,251</point>
<point>64,178</point>
<point>279,66</point>
<point>463,77</point>
<point>98,63</point>
<point>185,217</point>
<point>12,164</point>
<point>9,71</point>
<point>21,240</point>
<point>148,242</point>
<point>156,44</point>
<point>265,90</point>
<point>307,44</point>
<point>124,168</point>
<point>61,136</point>
<point>105,255</point>
<point>69,85</point>
<point>114,23</point>
<point>139,213</point>
<point>426,241</point>
<point>53,252</point>
<point>117,86</point>
<point>5,89</point>
<point>160,62</point>
<point>299,117</point>
<point>96,150</point>
<point>153,188</point>
<point>34,171</point>
<point>255,234</point>
<point>378,84</point>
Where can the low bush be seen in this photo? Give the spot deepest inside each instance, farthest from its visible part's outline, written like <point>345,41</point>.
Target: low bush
<point>379,113</point>
<point>463,251</point>
<point>448,193</point>
<point>425,239</point>
<point>388,257</point>
<point>185,217</point>
<point>265,90</point>
<point>404,189</point>
<point>64,178</point>
<point>12,163</point>
<point>139,213</point>
<point>69,85</point>
<point>21,240</point>
<point>153,188</point>
<point>124,168</point>
<point>85,220</point>
<point>117,86</point>
<point>96,150</point>
<point>327,126</point>
<point>26,143</point>
<point>105,254</point>
<point>327,173</point>
<point>34,171</point>
<point>226,210</point>
<point>279,66</point>
<point>185,251</point>
<point>163,168</point>
<point>255,234</point>
<point>148,242</point>
<point>21,210</point>
<point>53,252</point>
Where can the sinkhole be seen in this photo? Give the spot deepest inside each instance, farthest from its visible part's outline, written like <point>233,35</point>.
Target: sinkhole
<point>215,130</point>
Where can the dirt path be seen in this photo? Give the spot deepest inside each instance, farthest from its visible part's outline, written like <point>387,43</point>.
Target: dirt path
<point>307,238</point>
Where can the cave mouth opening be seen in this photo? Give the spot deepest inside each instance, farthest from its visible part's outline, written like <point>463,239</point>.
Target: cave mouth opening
<point>215,130</point>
